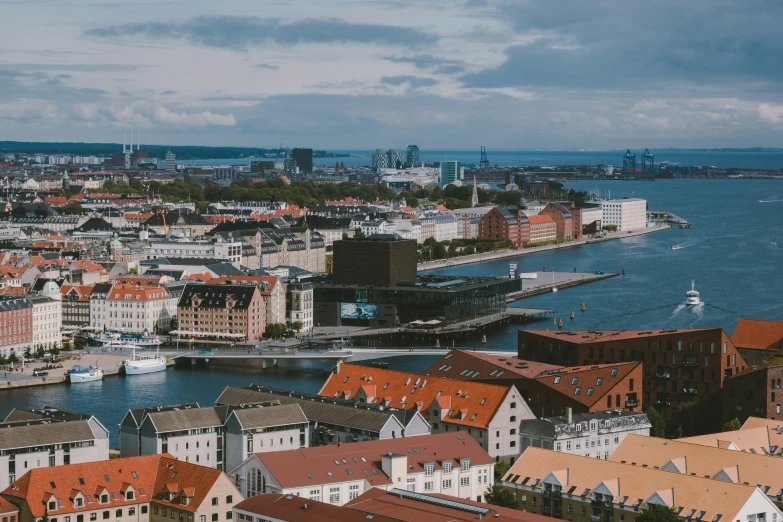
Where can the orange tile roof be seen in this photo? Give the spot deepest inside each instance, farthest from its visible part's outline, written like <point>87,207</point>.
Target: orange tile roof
<point>125,292</point>
<point>137,216</point>
<point>774,429</point>
<point>13,290</point>
<point>188,475</point>
<point>603,336</point>
<point>742,439</point>
<point>758,334</point>
<point>216,219</point>
<point>139,280</point>
<point>39,261</point>
<point>279,506</point>
<point>540,219</point>
<point>406,389</point>
<point>83,291</point>
<point>588,378</point>
<point>6,508</point>
<point>56,201</point>
<point>87,264</point>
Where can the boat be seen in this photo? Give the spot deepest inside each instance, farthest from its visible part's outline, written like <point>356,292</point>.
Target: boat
<point>675,247</point>
<point>554,288</point>
<point>80,374</point>
<point>138,365</point>
<point>692,296</point>
<point>117,339</point>
<point>772,243</point>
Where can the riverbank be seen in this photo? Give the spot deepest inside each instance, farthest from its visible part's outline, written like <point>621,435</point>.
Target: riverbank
<point>491,256</point>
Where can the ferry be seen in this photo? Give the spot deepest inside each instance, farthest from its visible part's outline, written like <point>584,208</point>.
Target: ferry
<point>115,339</point>
<point>675,247</point>
<point>79,374</point>
<point>692,296</point>
<point>138,365</point>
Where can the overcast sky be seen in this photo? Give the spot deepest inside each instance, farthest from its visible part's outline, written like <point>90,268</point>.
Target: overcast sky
<point>385,73</point>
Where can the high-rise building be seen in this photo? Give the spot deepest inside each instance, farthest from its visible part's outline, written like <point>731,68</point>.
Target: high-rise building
<point>450,171</point>
<point>395,159</point>
<point>171,161</point>
<point>413,155</point>
<point>303,159</point>
<point>380,159</point>
<point>289,166</point>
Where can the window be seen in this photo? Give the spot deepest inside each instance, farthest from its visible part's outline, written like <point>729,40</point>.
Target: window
<point>214,501</point>
<point>229,499</point>
<point>93,516</point>
<point>411,484</point>
<point>589,391</point>
<point>429,469</point>
<point>202,518</point>
<point>214,517</point>
<point>599,381</point>
<point>131,511</point>
<point>584,512</point>
<point>334,495</point>
<point>532,501</point>
<point>464,481</point>
<point>447,484</point>
<point>52,505</point>
<point>513,405</point>
<point>118,513</point>
<point>228,515</point>
<point>570,509</point>
<point>465,465</point>
<point>447,467</point>
<point>577,390</point>
<point>353,491</point>
<point>106,514</point>
<point>315,494</point>
<point>129,495</point>
<point>574,380</point>
<point>513,418</point>
<point>143,510</point>
<point>429,486</point>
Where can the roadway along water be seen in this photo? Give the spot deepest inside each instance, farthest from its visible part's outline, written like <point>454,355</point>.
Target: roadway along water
<point>726,253</point>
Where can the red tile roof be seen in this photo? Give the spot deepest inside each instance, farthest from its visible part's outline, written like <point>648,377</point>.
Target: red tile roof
<point>758,334</point>
<point>407,389</point>
<point>291,507</point>
<point>603,336</point>
<point>457,361</point>
<point>83,291</point>
<point>293,468</point>
<point>123,292</point>
<point>6,508</point>
<point>540,219</point>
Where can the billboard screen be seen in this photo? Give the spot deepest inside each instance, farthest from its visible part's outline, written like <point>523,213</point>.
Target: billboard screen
<point>358,311</point>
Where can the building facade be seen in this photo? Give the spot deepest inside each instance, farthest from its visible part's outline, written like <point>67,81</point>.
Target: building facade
<point>625,214</point>
<point>47,321</point>
<point>222,311</point>
<point>299,306</point>
<point>450,171</point>
<point>542,229</point>
<point>16,325</point>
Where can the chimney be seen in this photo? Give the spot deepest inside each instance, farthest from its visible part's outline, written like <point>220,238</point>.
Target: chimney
<point>337,367</point>
<point>570,415</point>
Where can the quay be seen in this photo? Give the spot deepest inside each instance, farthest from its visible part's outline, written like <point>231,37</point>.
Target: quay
<point>491,256</point>
<point>544,282</point>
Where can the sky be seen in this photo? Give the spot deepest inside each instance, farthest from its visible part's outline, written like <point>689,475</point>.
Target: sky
<point>363,74</point>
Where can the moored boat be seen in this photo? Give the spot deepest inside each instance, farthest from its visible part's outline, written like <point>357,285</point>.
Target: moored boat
<point>80,374</point>
<point>139,365</point>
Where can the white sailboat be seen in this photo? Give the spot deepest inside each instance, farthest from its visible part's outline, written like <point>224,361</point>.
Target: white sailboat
<point>137,365</point>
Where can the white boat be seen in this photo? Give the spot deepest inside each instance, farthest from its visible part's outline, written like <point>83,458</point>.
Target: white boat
<point>138,365</point>
<point>675,247</point>
<point>692,296</point>
<point>772,243</point>
<point>79,374</point>
<point>116,339</point>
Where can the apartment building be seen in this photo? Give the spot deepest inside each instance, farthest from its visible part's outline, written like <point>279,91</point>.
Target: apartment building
<point>542,229</point>
<point>230,251</point>
<point>576,488</point>
<point>31,439</point>
<point>501,223</point>
<point>594,435</point>
<point>679,365</point>
<point>153,488</point>
<point>138,309</point>
<point>98,306</point>
<point>76,305</point>
<point>449,463</point>
<point>47,321</point>
<point>756,391</point>
<point>299,305</point>
<point>332,420</point>
<point>685,458</point>
<point>625,214</point>
<point>567,220</point>
<point>16,318</point>
<point>548,389</point>
<point>446,227</point>
<point>757,340</point>
<point>221,311</point>
<point>273,292</point>
<point>488,413</point>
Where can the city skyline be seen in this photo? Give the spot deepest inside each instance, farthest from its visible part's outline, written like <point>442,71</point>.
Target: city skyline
<point>360,76</point>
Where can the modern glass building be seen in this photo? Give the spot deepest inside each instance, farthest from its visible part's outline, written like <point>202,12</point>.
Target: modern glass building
<point>450,171</point>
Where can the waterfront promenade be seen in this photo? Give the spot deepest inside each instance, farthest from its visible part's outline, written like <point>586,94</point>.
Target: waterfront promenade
<point>491,256</point>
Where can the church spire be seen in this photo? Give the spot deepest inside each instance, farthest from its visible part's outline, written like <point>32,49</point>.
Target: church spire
<point>474,198</point>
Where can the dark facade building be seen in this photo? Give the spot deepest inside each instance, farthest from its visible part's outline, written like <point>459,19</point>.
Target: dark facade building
<point>504,223</point>
<point>755,392</point>
<point>303,159</point>
<point>377,260</point>
<point>261,166</point>
<point>444,300</point>
<point>679,365</point>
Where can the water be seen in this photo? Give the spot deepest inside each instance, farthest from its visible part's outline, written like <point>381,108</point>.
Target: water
<point>726,252</point>
<point>767,159</point>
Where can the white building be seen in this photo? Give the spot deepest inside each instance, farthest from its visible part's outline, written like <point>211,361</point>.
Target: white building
<point>446,228</point>
<point>587,434</point>
<point>98,313</point>
<point>47,320</point>
<point>48,437</point>
<point>408,229</point>
<point>450,463</point>
<point>376,226</point>
<point>592,215</point>
<point>299,303</point>
<point>138,309</point>
<point>625,214</point>
<point>230,251</point>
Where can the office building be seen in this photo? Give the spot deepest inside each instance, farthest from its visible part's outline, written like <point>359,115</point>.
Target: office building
<point>412,155</point>
<point>377,260</point>
<point>680,366</point>
<point>260,166</point>
<point>303,159</point>
<point>594,435</point>
<point>450,171</point>
<point>449,463</point>
<point>488,413</point>
<point>132,489</point>
<point>575,488</point>
<point>41,438</point>
<point>626,215</point>
<point>395,159</point>
<point>171,161</point>
<point>380,160</point>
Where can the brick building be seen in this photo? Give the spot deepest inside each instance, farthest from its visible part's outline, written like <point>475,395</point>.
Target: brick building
<point>76,305</point>
<point>542,228</point>
<point>221,311</point>
<point>757,339</point>
<point>549,389</point>
<point>503,223</point>
<point>563,218</point>
<point>378,260</point>
<point>679,365</point>
<point>16,325</point>
<point>755,392</point>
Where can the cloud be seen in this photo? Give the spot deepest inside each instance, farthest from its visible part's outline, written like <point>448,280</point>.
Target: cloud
<point>771,112</point>
<point>266,66</point>
<point>239,33</point>
<point>198,119</point>
<point>428,61</point>
<point>413,81</point>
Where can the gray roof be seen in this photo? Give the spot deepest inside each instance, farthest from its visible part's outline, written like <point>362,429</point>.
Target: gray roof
<point>262,417</point>
<point>187,419</point>
<point>26,436</point>
<point>315,408</point>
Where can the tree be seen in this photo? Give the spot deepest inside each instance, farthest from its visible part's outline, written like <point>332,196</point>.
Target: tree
<point>358,234</point>
<point>497,495</point>
<point>72,208</point>
<point>296,326</point>
<point>658,425</point>
<point>27,352</point>
<point>275,330</point>
<point>733,425</point>
<point>658,513</point>
<point>78,342</point>
<point>13,358</point>
<point>500,470</point>
<point>40,351</point>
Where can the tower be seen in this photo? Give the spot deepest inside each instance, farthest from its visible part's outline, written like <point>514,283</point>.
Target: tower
<point>474,198</point>
<point>171,161</point>
<point>484,162</point>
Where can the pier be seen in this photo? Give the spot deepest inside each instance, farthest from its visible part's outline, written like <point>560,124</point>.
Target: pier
<point>545,281</point>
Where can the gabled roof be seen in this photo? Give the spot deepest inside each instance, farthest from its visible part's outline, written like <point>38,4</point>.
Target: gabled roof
<point>746,439</point>
<point>408,389</point>
<point>183,419</point>
<point>758,334</point>
<point>264,417</point>
<point>540,219</point>
<point>357,460</point>
<point>216,296</point>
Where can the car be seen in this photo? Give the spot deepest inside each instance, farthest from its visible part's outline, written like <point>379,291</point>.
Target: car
<point>40,373</point>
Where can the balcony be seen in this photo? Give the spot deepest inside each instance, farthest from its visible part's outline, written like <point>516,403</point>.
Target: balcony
<point>631,403</point>
<point>690,362</point>
<point>691,391</point>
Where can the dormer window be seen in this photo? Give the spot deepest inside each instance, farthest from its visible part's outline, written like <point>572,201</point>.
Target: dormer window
<point>465,465</point>
<point>78,502</point>
<point>129,495</point>
<point>104,498</point>
<point>447,467</point>
<point>52,505</point>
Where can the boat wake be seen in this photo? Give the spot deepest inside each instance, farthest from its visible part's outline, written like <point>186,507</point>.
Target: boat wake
<point>677,310</point>
<point>771,201</point>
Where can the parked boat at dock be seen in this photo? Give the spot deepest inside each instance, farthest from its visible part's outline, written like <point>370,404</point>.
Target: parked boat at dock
<point>80,374</point>
<point>120,339</point>
<point>139,365</point>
